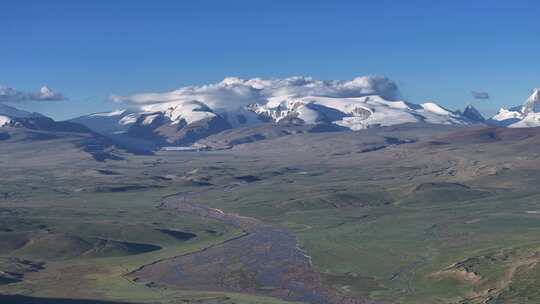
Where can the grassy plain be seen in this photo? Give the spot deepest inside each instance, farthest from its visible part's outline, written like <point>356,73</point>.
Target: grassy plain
<point>422,222</point>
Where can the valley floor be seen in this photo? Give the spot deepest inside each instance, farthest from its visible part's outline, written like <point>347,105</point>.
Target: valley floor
<point>316,218</point>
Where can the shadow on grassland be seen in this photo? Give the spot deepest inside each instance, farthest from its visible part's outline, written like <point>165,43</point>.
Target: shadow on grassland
<point>15,299</point>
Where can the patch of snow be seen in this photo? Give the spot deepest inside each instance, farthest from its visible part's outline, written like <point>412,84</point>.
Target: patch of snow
<point>194,147</point>
<point>357,113</point>
<point>5,121</point>
<point>129,119</point>
<point>505,114</point>
<point>529,121</point>
<point>435,108</point>
<point>515,119</point>
<point>113,122</point>
<point>189,148</point>
<point>532,104</point>
<point>190,112</point>
<point>239,117</point>
<point>527,116</point>
<point>108,114</point>
<point>309,115</point>
<point>149,119</point>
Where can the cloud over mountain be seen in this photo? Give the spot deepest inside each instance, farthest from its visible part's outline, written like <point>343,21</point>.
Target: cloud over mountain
<point>8,94</point>
<point>235,92</point>
<point>480,95</point>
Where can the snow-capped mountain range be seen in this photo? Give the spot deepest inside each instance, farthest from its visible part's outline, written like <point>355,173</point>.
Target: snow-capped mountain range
<point>355,113</point>
<point>183,116</point>
<point>525,116</point>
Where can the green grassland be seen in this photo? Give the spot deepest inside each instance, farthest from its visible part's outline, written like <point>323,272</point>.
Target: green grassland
<point>406,224</point>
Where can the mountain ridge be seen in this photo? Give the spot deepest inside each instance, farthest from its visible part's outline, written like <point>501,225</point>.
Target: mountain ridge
<point>183,116</point>
<point>526,116</point>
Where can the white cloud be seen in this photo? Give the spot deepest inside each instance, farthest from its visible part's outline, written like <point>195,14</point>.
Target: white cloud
<point>235,92</point>
<point>8,94</point>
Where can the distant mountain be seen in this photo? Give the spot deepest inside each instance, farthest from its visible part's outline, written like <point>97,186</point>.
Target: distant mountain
<point>164,130</point>
<point>532,104</point>
<point>183,123</point>
<point>354,113</point>
<point>159,124</point>
<point>473,114</point>
<point>26,129</point>
<point>8,111</point>
<point>525,116</point>
<point>12,117</point>
<point>108,123</point>
<point>189,114</point>
<point>45,144</point>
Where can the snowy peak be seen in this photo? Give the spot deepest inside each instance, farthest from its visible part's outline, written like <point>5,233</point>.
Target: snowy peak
<point>354,113</point>
<point>532,104</point>
<point>188,113</point>
<point>436,109</point>
<point>473,114</point>
<point>181,122</point>
<point>108,123</point>
<point>527,116</point>
<point>506,117</point>
<point>358,103</point>
<point>108,114</point>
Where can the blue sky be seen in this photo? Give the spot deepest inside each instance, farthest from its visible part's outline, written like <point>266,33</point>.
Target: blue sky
<point>435,50</point>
